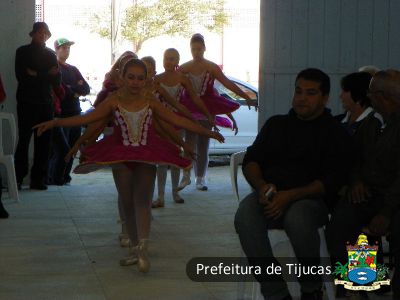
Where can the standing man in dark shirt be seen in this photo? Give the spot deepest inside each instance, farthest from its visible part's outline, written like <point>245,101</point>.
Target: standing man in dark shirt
<point>301,157</point>
<point>75,86</point>
<point>37,72</point>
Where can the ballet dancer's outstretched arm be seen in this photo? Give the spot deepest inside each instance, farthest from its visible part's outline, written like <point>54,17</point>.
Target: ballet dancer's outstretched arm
<point>235,128</point>
<point>168,132</point>
<point>171,118</point>
<point>90,135</point>
<point>103,111</point>
<point>220,76</point>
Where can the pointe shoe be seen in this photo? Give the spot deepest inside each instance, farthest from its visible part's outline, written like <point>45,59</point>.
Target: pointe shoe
<point>143,258</point>
<point>131,259</point>
<point>157,203</point>
<point>200,184</point>
<point>185,180</point>
<point>201,187</point>
<point>177,198</point>
<point>124,240</point>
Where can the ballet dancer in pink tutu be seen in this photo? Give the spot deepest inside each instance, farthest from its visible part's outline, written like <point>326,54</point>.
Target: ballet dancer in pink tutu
<point>175,83</point>
<point>132,151</point>
<point>202,74</point>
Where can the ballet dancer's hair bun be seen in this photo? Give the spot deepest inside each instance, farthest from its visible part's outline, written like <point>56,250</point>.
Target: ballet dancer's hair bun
<point>197,37</point>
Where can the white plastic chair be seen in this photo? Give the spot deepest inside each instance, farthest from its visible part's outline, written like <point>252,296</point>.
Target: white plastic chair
<point>280,242</point>
<point>8,159</point>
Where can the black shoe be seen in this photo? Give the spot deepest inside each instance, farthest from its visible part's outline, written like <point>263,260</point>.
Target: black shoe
<point>3,213</point>
<point>384,289</point>
<point>19,186</point>
<point>38,186</point>
<point>317,295</point>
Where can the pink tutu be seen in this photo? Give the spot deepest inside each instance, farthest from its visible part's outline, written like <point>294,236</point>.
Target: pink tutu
<point>216,104</point>
<point>134,140</point>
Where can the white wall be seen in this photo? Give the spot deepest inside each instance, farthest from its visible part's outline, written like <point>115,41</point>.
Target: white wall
<point>337,36</point>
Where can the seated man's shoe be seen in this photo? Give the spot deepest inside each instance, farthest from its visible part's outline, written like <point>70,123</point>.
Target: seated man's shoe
<point>356,295</point>
<point>384,289</point>
<point>38,186</point>
<point>316,295</point>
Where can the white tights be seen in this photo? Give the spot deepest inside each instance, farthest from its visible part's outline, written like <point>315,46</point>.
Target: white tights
<point>200,146</point>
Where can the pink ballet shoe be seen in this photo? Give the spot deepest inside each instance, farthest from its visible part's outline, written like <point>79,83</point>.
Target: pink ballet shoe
<point>185,180</point>
<point>157,203</point>
<point>131,259</point>
<point>143,258</point>
<point>178,198</point>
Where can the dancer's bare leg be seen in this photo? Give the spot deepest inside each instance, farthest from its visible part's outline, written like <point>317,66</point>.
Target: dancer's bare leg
<point>143,181</point>
<point>123,177</point>
<point>123,236</point>
<point>161,182</point>
<point>175,174</point>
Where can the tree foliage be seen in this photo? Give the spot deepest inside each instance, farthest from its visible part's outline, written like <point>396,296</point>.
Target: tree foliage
<point>146,19</point>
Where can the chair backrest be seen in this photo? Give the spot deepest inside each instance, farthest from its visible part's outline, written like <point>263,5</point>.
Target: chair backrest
<point>236,160</point>
<point>13,130</point>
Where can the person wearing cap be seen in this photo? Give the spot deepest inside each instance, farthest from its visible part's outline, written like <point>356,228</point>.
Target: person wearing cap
<point>75,86</point>
<point>37,71</point>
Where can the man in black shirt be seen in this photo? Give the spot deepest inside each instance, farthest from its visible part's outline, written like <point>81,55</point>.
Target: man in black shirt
<point>301,159</point>
<point>37,72</point>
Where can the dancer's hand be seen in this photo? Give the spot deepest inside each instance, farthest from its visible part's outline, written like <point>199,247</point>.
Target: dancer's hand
<point>234,127</point>
<point>211,120</point>
<point>217,136</point>
<point>189,152</point>
<point>71,154</point>
<point>42,127</point>
<point>252,102</point>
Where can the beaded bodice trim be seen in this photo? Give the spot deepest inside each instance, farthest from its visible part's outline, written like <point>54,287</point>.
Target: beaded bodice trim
<point>134,125</point>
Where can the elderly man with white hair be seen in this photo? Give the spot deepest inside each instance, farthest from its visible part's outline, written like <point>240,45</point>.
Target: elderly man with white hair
<point>373,199</point>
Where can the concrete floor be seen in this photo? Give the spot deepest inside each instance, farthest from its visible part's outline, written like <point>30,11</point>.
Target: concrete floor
<point>62,243</point>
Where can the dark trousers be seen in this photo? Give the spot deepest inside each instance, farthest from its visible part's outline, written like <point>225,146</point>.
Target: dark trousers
<point>30,115</point>
<point>63,140</point>
<point>300,222</point>
<point>346,224</point>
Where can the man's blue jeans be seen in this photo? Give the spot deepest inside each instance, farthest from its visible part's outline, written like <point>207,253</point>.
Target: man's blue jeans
<point>300,221</point>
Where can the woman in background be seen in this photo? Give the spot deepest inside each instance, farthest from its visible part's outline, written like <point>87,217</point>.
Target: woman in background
<point>202,74</point>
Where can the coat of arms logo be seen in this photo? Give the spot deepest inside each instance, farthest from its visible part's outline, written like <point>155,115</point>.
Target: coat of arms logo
<point>362,272</point>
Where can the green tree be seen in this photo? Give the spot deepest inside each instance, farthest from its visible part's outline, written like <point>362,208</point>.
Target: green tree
<point>147,19</point>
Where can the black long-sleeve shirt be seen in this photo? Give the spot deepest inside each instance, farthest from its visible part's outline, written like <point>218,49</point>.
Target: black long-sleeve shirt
<point>293,153</point>
<point>70,77</point>
<point>35,89</point>
<point>377,163</point>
